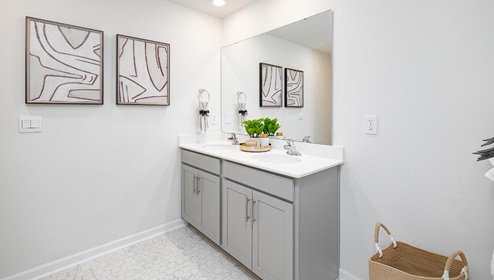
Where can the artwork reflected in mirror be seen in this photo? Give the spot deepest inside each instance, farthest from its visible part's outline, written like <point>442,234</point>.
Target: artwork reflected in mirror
<point>270,85</point>
<point>294,88</point>
<point>304,49</point>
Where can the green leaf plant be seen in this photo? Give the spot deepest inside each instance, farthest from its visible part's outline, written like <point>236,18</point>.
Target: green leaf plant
<point>254,127</point>
<point>270,126</point>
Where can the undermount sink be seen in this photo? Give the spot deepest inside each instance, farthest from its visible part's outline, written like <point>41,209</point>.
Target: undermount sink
<point>277,158</point>
<point>217,147</point>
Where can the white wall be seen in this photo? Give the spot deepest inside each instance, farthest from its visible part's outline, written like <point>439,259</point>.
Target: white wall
<point>240,72</point>
<point>426,69</point>
<point>97,173</point>
<point>324,99</point>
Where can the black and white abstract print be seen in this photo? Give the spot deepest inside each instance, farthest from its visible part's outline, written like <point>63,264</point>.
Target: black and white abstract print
<point>271,85</point>
<point>64,63</point>
<point>143,72</point>
<point>294,88</point>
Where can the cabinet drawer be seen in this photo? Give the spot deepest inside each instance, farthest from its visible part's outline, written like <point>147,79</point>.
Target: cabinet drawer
<point>266,182</point>
<point>203,162</point>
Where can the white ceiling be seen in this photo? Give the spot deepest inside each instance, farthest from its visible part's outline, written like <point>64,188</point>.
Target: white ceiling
<point>313,32</point>
<point>207,7</point>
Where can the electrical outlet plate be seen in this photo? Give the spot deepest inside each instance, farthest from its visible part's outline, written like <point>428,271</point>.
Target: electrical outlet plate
<point>370,124</point>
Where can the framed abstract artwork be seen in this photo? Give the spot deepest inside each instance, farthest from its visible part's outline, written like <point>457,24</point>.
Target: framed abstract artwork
<point>294,88</point>
<point>64,63</point>
<point>270,85</point>
<point>143,72</point>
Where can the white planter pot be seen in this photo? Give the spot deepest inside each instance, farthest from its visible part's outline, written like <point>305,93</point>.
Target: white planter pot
<point>264,142</point>
<point>258,140</point>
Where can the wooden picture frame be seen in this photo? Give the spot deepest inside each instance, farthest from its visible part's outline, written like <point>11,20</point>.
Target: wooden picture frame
<point>64,63</point>
<point>270,85</point>
<point>294,88</point>
<point>143,72</point>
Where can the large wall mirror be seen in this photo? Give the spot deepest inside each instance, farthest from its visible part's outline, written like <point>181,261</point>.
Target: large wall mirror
<point>305,45</point>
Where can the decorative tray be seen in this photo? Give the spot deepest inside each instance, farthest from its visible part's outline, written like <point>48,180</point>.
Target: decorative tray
<point>254,149</point>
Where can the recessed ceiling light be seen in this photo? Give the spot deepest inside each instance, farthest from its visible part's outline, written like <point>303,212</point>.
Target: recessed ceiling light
<point>219,3</point>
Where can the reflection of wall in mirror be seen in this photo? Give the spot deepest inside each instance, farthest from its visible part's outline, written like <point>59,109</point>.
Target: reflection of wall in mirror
<point>240,66</point>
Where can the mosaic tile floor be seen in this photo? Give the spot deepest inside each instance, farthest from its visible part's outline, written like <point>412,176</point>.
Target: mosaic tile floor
<point>179,254</point>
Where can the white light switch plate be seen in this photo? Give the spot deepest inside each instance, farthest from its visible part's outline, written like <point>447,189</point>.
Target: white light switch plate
<point>228,118</point>
<point>370,124</point>
<point>214,119</point>
<point>30,124</point>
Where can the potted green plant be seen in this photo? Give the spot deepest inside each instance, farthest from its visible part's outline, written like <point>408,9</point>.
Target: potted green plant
<point>254,127</point>
<point>271,126</point>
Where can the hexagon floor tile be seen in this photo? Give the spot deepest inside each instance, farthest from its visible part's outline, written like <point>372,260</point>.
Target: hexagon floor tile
<point>179,254</point>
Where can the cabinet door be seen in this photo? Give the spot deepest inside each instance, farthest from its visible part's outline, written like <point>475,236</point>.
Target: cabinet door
<point>190,200</point>
<point>237,222</point>
<point>272,237</point>
<point>208,190</point>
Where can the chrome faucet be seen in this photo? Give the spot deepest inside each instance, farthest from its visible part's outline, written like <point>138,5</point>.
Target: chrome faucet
<point>306,139</point>
<point>291,149</point>
<point>233,139</point>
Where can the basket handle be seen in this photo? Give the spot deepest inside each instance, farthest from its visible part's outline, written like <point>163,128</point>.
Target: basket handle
<point>376,238</point>
<point>449,262</point>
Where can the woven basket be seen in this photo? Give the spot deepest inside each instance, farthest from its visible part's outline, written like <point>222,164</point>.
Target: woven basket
<point>401,261</point>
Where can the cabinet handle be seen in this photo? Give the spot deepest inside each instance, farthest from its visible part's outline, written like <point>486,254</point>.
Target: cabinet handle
<point>253,220</point>
<point>194,185</point>
<point>198,187</point>
<point>247,209</point>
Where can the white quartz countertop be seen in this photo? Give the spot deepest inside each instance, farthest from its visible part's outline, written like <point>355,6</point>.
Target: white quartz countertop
<point>305,164</point>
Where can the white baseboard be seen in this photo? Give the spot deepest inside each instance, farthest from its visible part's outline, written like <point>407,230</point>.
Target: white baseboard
<point>70,261</point>
<point>345,275</point>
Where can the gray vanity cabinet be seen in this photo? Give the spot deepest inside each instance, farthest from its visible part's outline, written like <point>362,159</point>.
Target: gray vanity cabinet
<point>257,227</point>
<point>201,194</point>
<point>272,240</point>
<point>279,227</point>
<point>237,222</point>
<point>190,205</point>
